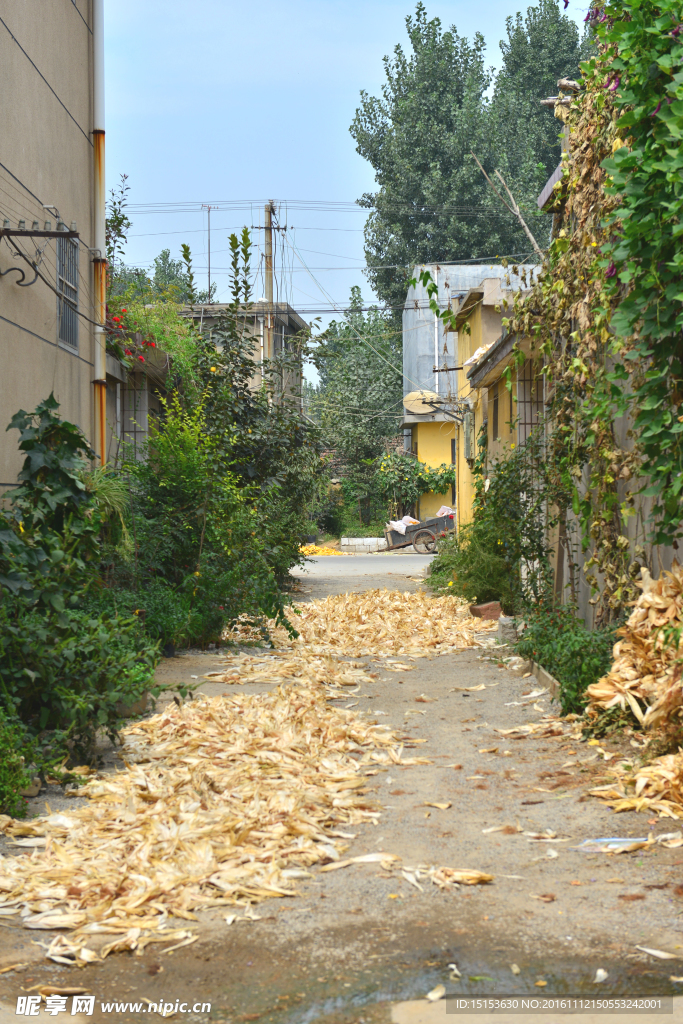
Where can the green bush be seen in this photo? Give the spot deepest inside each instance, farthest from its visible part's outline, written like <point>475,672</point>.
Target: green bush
<point>14,776</point>
<point>63,669</point>
<point>503,553</point>
<point>557,639</point>
<point>68,677</point>
<point>476,565</point>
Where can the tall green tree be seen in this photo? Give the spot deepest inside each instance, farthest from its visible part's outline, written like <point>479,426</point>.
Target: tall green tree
<point>358,401</point>
<point>432,202</point>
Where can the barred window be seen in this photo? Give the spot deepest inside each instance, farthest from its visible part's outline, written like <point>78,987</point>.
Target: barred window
<point>529,398</point>
<point>67,286</point>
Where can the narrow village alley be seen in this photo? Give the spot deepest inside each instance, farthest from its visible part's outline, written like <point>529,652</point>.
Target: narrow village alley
<point>502,792</point>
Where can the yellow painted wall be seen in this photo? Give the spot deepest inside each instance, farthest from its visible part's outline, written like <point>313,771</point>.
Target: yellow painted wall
<point>507,413</point>
<point>468,343</point>
<point>433,448</point>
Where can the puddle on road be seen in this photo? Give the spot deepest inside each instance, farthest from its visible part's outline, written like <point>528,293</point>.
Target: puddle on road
<point>360,999</point>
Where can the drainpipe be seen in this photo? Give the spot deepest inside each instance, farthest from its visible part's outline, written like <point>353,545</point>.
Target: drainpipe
<point>99,210</point>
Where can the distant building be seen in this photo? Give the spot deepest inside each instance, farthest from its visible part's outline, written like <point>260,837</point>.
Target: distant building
<point>273,327</point>
<point>447,400</point>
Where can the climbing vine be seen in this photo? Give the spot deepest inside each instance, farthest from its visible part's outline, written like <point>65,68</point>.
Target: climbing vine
<point>607,310</point>
<point>401,479</point>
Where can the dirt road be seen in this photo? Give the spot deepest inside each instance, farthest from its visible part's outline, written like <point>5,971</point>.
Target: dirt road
<point>365,944</point>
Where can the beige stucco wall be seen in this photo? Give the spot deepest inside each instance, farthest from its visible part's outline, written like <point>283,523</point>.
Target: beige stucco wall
<point>46,153</point>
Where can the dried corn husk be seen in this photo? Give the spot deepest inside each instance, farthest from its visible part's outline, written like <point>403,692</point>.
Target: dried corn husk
<point>645,675</point>
<point>221,802</point>
<point>374,622</point>
<point>291,666</point>
<point>384,622</point>
<point>323,549</point>
<point>656,787</point>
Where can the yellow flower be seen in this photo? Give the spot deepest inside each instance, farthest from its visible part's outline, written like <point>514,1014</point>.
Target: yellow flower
<point>197,574</point>
<point>450,583</point>
<point>213,369</point>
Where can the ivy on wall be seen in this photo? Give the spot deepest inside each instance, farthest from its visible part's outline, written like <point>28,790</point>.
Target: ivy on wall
<point>607,310</point>
<point>401,479</point>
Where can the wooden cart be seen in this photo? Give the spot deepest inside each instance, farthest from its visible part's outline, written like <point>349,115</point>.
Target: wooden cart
<point>422,536</point>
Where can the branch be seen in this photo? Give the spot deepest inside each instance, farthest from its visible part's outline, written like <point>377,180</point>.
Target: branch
<point>491,184</point>
<point>514,209</point>
<point>518,214</point>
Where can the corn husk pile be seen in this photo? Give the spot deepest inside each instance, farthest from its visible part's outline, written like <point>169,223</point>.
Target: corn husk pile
<point>288,666</point>
<point>223,801</point>
<point>384,622</point>
<point>645,675</point>
<point>656,787</point>
<point>322,549</point>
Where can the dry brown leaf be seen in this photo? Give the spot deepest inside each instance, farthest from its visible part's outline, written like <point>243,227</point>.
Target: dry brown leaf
<point>441,807</point>
<point>546,897</point>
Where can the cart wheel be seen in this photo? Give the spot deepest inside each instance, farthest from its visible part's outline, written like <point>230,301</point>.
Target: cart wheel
<point>424,542</point>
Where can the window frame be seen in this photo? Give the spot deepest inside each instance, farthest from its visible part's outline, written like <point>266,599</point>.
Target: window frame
<point>68,294</point>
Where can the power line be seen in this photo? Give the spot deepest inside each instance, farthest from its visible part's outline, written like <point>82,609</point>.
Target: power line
<point>37,69</point>
<point>313,205</point>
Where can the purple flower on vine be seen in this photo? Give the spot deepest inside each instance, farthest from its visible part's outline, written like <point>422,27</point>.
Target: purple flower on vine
<point>675,32</point>
<point>611,270</point>
<point>656,110</point>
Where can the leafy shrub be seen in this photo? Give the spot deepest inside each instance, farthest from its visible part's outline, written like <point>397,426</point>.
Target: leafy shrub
<point>63,670</point>
<point>557,639</point>
<point>476,565</point>
<point>14,776</point>
<point>68,675</point>
<point>203,555</point>
<point>401,479</point>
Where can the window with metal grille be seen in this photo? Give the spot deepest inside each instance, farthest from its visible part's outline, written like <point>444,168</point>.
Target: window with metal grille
<point>529,398</point>
<point>67,286</point>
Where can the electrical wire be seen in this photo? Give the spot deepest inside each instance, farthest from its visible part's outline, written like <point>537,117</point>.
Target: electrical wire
<point>52,288</point>
<point>37,69</point>
<point>25,187</point>
<point>312,205</point>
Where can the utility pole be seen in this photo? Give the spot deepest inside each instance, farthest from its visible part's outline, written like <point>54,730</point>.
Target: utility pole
<point>269,211</point>
<point>208,210</point>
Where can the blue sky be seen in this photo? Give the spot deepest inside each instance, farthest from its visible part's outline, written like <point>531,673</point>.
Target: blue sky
<point>221,101</point>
